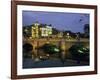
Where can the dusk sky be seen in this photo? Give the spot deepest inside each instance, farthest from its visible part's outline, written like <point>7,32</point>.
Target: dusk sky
<point>62,21</point>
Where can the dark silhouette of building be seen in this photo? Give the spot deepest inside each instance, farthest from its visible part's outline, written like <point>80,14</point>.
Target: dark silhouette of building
<point>86,31</point>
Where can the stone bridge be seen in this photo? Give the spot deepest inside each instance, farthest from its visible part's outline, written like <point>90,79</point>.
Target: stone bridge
<point>64,44</point>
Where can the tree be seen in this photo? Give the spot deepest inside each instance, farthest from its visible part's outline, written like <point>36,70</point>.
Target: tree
<point>27,31</point>
<point>79,52</point>
<point>55,31</point>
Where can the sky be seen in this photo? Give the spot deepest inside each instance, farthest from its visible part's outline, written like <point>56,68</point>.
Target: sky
<point>62,21</point>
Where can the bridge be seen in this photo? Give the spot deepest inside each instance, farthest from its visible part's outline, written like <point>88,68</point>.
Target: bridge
<point>64,44</point>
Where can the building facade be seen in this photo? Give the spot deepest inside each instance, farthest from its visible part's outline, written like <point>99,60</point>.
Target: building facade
<point>44,31</point>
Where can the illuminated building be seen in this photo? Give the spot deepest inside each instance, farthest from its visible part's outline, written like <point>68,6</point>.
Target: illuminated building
<point>44,31</point>
<point>35,30</point>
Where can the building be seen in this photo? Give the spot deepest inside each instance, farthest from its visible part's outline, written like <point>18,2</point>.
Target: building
<point>86,30</point>
<point>35,30</point>
<point>41,31</point>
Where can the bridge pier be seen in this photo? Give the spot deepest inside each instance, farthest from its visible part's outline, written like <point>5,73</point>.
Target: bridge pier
<point>63,50</point>
<point>35,51</point>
